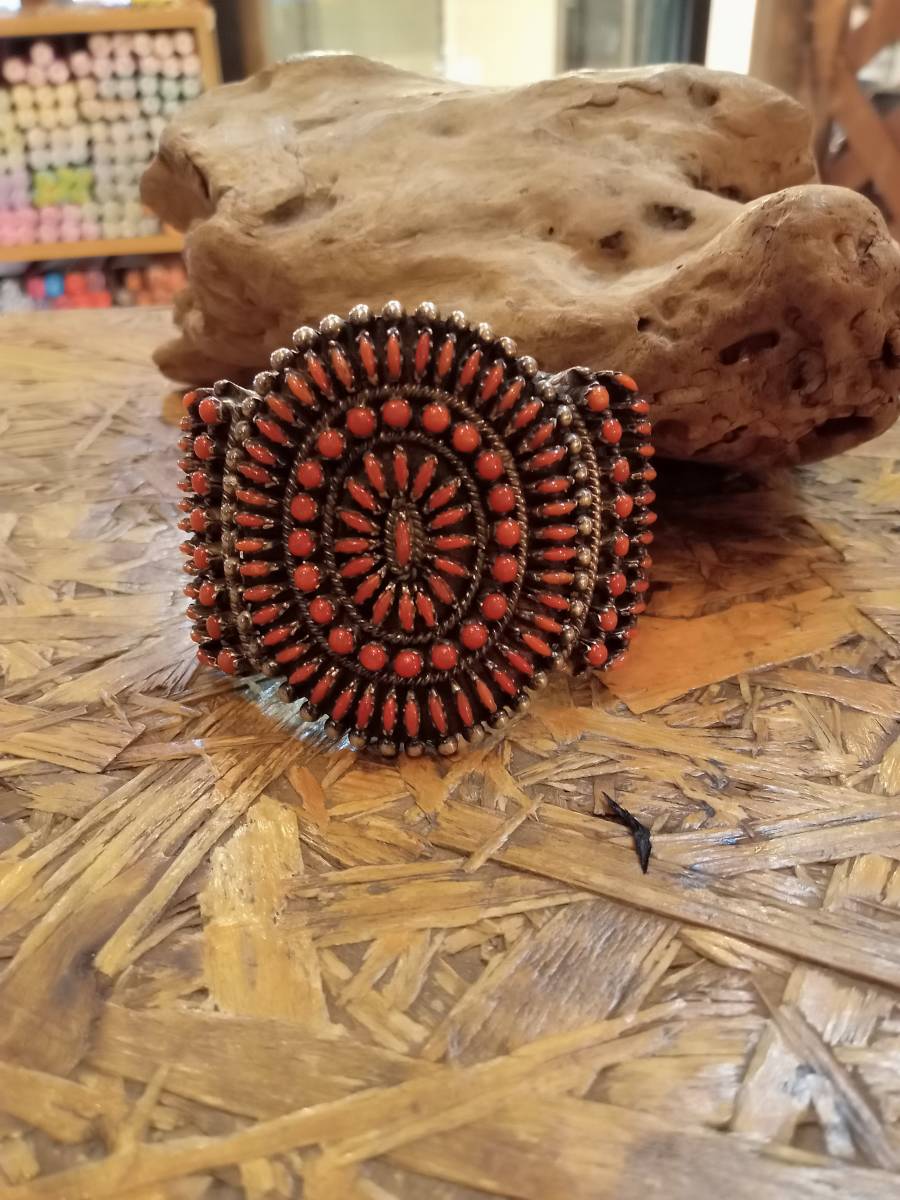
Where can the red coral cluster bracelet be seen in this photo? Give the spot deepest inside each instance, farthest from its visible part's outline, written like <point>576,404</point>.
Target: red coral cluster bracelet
<point>409,524</point>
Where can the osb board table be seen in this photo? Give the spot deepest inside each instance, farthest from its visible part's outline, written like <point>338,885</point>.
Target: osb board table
<point>240,962</point>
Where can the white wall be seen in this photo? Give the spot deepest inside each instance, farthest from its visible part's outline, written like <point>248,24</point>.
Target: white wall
<point>730,36</point>
<point>501,41</point>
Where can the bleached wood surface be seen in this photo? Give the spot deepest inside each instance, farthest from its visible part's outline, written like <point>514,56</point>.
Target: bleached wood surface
<point>237,962</point>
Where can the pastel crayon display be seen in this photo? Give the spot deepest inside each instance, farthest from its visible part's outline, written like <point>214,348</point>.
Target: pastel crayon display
<point>14,69</point>
<point>80,117</point>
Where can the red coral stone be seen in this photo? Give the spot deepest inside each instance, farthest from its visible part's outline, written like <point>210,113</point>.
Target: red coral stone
<point>466,437</point>
<point>302,543</point>
<point>470,369</point>
<point>366,589</point>
<point>423,351</point>
<point>367,354</point>
<point>426,609</point>
<point>373,656</point>
<point>485,695</point>
<point>597,398</point>
<point>502,498</point>
<point>265,616</point>
<point>411,717</point>
<point>256,569</point>
<point>402,542</point>
<point>406,611</point>
<point>519,662</point>
<point>546,458</point>
<point>444,656</point>
<point>306,577</point>
<point>310,474</point>
<point>537,644</point>
<point>621,470</point>
<point>341,639</point>
<point>526,414</point>
<point>383,605</point>
<point>342,704</point>
<point>355,567</point>
<point>511,395</point>
<point>320,376</point>
<point>611,431</point>
<point>321,610</point>
<point>489,465</point>
<point>551,600</point>
<point>597,654</point>
<point>437,712</point>
<point>300,388</point>
<point>408,663</point>
<point>439,587</point>
<point>393,355</point>
<point>341,366</point>
<point>442,495</point>
<point>365,708</point>
<point>494,606</point>
<point>389,714</point>
<point>330,443</point>
<point>305,671</point>
<point>553,486</point>
<point>280,407</point>
<point>492,380</point>
<point>436,417</point>
<point>226,661</point>
<point>464,708</point>
<point>445,357</point>
<point>322,688</point>
<point>209,411</point>
<point>303,508</point>
<point>508,532</point>
<point>396,413</point>
<point>504,681</point>
<point>361,422</point>
<point>504,568</point>
<point>473,635</point>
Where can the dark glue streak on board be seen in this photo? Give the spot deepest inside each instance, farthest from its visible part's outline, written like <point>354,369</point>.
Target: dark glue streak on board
<point>640,833</point>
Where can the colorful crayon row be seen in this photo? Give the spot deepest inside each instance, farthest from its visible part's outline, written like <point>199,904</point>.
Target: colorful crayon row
<point>155,281</point>
<point>105,56</point>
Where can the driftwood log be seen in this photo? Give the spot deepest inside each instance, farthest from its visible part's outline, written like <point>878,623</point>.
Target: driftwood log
<point>667,221</point>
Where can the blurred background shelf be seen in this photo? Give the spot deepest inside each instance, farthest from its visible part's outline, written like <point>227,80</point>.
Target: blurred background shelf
<point>75,138</point>
<point>160,243</point>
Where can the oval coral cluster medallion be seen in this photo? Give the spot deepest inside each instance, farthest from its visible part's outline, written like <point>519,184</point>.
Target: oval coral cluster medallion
<point>410,525</point>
